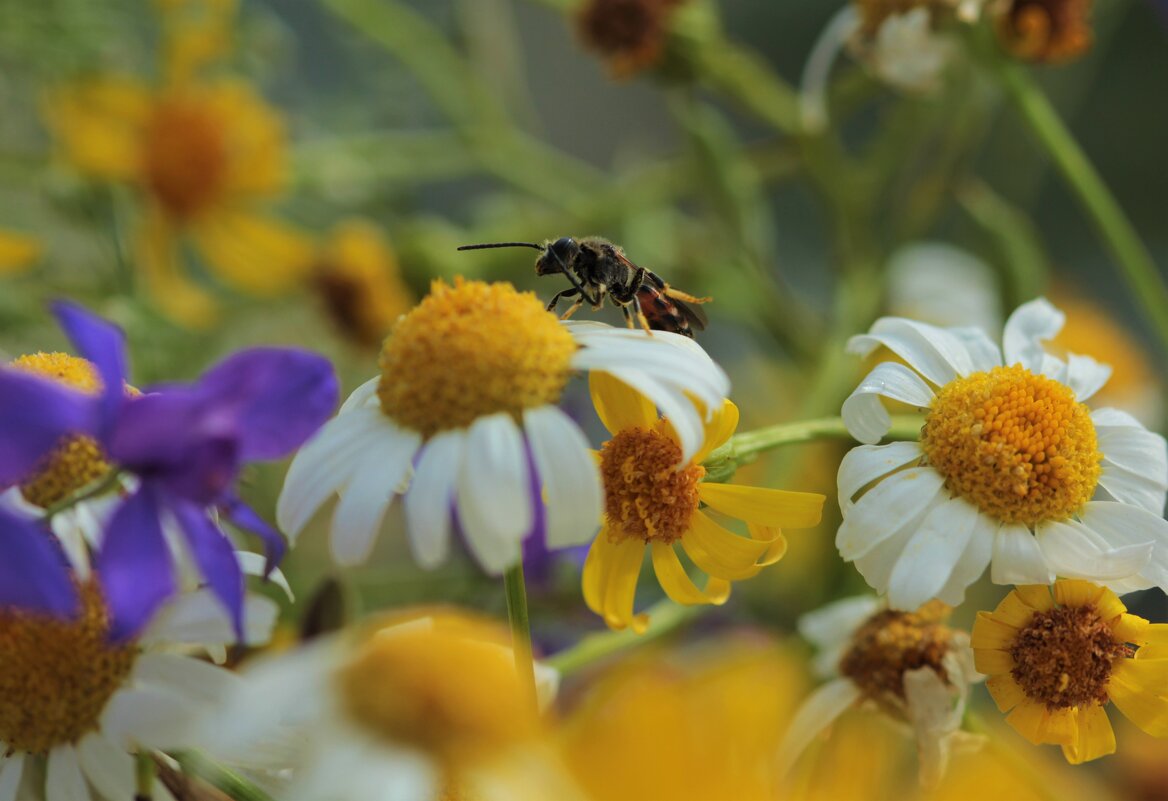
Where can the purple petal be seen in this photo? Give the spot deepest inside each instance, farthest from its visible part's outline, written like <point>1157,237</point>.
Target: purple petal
<point>33,572</point>
<point>243,516</point>
<point>134,564</point>
<point>216,558</point>
<point>278,396</point>
<point>103,344</point>
<point>35,413</point>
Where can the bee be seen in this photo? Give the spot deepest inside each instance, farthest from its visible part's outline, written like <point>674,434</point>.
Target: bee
<point>596,268</point>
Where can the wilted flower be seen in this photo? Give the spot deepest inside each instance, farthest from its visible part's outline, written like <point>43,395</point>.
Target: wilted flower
<point>629,34</point>
<point>1044,30</point>
<point>463,423</point>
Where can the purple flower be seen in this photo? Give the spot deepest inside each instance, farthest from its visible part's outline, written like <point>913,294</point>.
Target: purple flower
<point>34,573</point>
<point>186,444</point>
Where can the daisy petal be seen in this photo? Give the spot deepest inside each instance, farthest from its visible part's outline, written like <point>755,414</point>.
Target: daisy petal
<point>1029,326</point>
<point>673,579</point>
<point>494,494</point>
<point>865,416</point>
<point>149,716</point>
<point>108,769</point>
<point>767,507</point>
<point>11,772</point>
<point>864,464</point>
<point>930,557</point>
<point>1120,524</point>
<point>973,561</point>
<point>361,396</point>
<point>818,711</point>
<point>567,471</point>
<point>871,520</point>
<point>933,352</point>
<point>63,779</point>
<point>1138,699</point>
<point>1085,377</point>
<point>984,354</point>
<point>378,473</point>
<point>427,503</point>
<point>1017,559</point>
<point>618,405</point>
<point>718,429</point>
<point>1071,552</point>
<point>1095,737</point>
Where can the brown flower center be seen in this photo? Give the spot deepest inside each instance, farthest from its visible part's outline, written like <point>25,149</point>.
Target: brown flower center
<point>891,643</point>
<point>1064,657</point>
<point>630,33</point>
<point>645,495</point>
<point>185,156</point>
<point>1046,30</point>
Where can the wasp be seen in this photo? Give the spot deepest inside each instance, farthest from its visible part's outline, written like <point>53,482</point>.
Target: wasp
<point>596,268</point>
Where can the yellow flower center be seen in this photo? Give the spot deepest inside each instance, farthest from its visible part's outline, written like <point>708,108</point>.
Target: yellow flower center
<point>471,350</point>
<point>444,691</point>
<point>1064,657</point>
<point>56,676</point>
<point>185,155</point>
<point>1015,444</point>
<point>76,461</point>
<point>891,643</point>
<point>645,495</point>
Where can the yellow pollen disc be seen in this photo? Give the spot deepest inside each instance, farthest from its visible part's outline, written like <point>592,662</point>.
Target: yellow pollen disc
<point>185,156</point>
<point>76,461</point>
<point>470,350</point>
<point>891,643</point>
<point>1015,444</point>
<point>645,496</point>
<point>56,676</point>
<point>440,687</point>
<point>1064,657</point>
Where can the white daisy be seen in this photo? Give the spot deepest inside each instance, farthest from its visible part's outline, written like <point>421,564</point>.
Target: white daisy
<point>910,665</point>
<point>937,283</point>
<point>75,707</point>
<point>462,424</point>
<point>1012,469</point>
<point>413,706</point>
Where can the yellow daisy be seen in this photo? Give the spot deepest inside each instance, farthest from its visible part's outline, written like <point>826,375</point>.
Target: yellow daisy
<point>201,158</point>
<point>16,252</point>
<point>1054,662</point>
<point>652,500</point>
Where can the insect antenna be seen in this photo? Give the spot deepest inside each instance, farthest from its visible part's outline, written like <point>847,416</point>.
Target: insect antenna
<point>489,245</point>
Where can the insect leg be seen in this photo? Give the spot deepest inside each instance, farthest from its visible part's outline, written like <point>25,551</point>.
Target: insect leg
<point>636,304</point>
<point>567,293</point>
<point>572,278</point>
<point>688,298</point>
<point>575,306</point>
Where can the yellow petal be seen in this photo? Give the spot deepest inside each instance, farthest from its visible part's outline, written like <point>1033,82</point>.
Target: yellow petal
<point>719,551</point>
<point>778,543</point>
<point>1108,605</point>
<point>1095,737</point>
<point>1130,628</point>
<point>621,586</point>
<point>618,405</point>
<point>157,252</point>
<point>719,428</point>
<point>768,507</point>
<point>1039,725</point>
<point>990,632</point>
<point>1075,592</point>
<point>17,252</point>
<point>1036,596</point>
<point>1005,691</point>
<point>99,126</point>
<point>1015,611</point>
<point>254,254</point>
<point>1155,642</point>
<point>1139,700</point>
<point>992,661</point>
<point>675,582</point>
<point>596,572</point>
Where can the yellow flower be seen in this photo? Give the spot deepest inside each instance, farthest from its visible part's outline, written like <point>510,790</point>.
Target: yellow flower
<point>357,277</point>
<point>197,33</point>
<point>1054,663</point>
<point>17,252</point>
<point>698,725</point>
<point>652,499</point>
<point>201,157</point>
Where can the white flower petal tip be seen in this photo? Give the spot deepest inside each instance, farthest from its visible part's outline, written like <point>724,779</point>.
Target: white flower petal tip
<point>865,416</point>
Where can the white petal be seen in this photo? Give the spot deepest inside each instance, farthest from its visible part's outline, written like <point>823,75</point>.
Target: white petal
<point>494,491</point>
<point>198,618</point>
<point>669,359</point>
<point>1108,417</point>
<point>933,352</point>
<point>361,396</point>
<point>1138,489</point>
<point>63,780</point>
<point>108,769</point>
<point>323,465</point>
<point>148,716</point>
<point>1132,446</point>
<point>428,502</point>
<point>973,562</point>
<point>930,557</point>
<point>682,414</point>
<point>876,566</point>
<point>1029,326</point>
<point>933,716</point>
<point>865,416</point>
<point>864,464</point>
<point>1071,551</point>
<point>364,499</point>
<point>358,768</point>
<point>884,508</point>
<point>1017,559</point>
<point>568,474</point>
<point>185,676</point>
<point>254,564</point>
<point>983,353</point>
<point>1120,524</point>
<point>1085,376</point>
<point>11,772</point>
<point>818,711</point>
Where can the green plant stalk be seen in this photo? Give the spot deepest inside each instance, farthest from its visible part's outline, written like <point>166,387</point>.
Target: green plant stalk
<point>144,770</point>
<point>1135,262</point>
<point>664,617</point>
<point>232,784</point>
<point>516,590</point>
<point>741,448</point>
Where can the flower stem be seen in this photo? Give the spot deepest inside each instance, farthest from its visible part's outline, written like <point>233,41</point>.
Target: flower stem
<point>1135,262</point>
<point>664,617</point>
<point>516,591</point>
<point>144,776</point>
<point>742,448</point>
<point>91,490</point>
<point>194,764</point>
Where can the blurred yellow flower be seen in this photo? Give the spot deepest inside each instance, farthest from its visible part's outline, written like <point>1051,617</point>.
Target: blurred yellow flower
<point>697,725</point>
<point>202,157</point>
<point>356,275</point>
<point>17,252</point>
<point>651,501</point>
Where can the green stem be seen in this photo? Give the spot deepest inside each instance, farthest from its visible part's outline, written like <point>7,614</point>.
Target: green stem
<point>144,774</point>
<point>228,782</point>
<point>741,448</point>
<point>664,617</point>
<point>1119,235</point>
<point>91,490</point>
<point>516,591</point>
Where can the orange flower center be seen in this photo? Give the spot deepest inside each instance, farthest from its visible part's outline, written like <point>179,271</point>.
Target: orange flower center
<point>56,676</point>
<point>1046,30</point>
<point>185,156</point>
<point>891,643</point>
<point>1015,444</point>
<point>1064,657</point>
<point>645,495</point>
